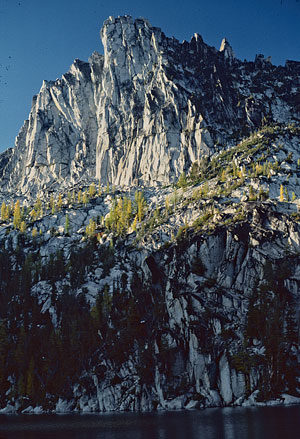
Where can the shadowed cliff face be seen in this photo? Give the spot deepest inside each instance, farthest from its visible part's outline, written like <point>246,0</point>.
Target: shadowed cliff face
<point>146,110</point>
<point>211,319</point>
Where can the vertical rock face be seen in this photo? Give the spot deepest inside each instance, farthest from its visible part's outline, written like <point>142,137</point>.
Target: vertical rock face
<point>148,128</point>
<point>145,111</point>
<point>227,50</point>
<point>58,141</point>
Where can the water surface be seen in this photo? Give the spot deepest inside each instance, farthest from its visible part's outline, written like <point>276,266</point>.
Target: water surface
<point>227,423</point>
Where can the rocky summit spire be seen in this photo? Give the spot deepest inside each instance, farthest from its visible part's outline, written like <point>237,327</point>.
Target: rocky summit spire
<point>130,46</point>
<point>142,113</point>
<point>227,50</point>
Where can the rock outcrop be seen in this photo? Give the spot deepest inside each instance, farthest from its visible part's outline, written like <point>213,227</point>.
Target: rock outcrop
<point>201,322</point>
<point>145,111</point>
<point>181,296</point>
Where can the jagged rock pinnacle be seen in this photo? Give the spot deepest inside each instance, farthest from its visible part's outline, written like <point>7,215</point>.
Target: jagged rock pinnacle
<point>227,50</point>
<point>140,114</point>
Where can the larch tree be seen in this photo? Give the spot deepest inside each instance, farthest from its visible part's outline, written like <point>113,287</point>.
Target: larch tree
<point>38,206</point>
<point>92,190</point>
<point>281,196</point>
<point>23,227</point>
<point>85,198</point>
<point>3,211</point>
<point>59,202</point>
<point>90,229</point>
<point>17,215</point>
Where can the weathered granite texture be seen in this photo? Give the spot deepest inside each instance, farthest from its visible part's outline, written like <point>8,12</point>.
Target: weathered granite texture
<point>146,110</point>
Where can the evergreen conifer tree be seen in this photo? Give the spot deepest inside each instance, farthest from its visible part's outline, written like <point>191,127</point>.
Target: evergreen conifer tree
<point>52,205</point>
<point>182,181</point>
<point>67,224</point>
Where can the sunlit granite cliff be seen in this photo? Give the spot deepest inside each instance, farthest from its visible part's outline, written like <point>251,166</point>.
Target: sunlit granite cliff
<point>146,110</point>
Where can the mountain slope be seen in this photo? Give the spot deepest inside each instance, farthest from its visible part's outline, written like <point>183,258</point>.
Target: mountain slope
<point>146,319</point>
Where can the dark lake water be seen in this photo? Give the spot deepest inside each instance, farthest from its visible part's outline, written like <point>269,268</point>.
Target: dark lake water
<point>227,423</point>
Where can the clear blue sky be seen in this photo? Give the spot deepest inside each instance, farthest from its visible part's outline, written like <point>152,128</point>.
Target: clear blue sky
<point>39,39</point>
